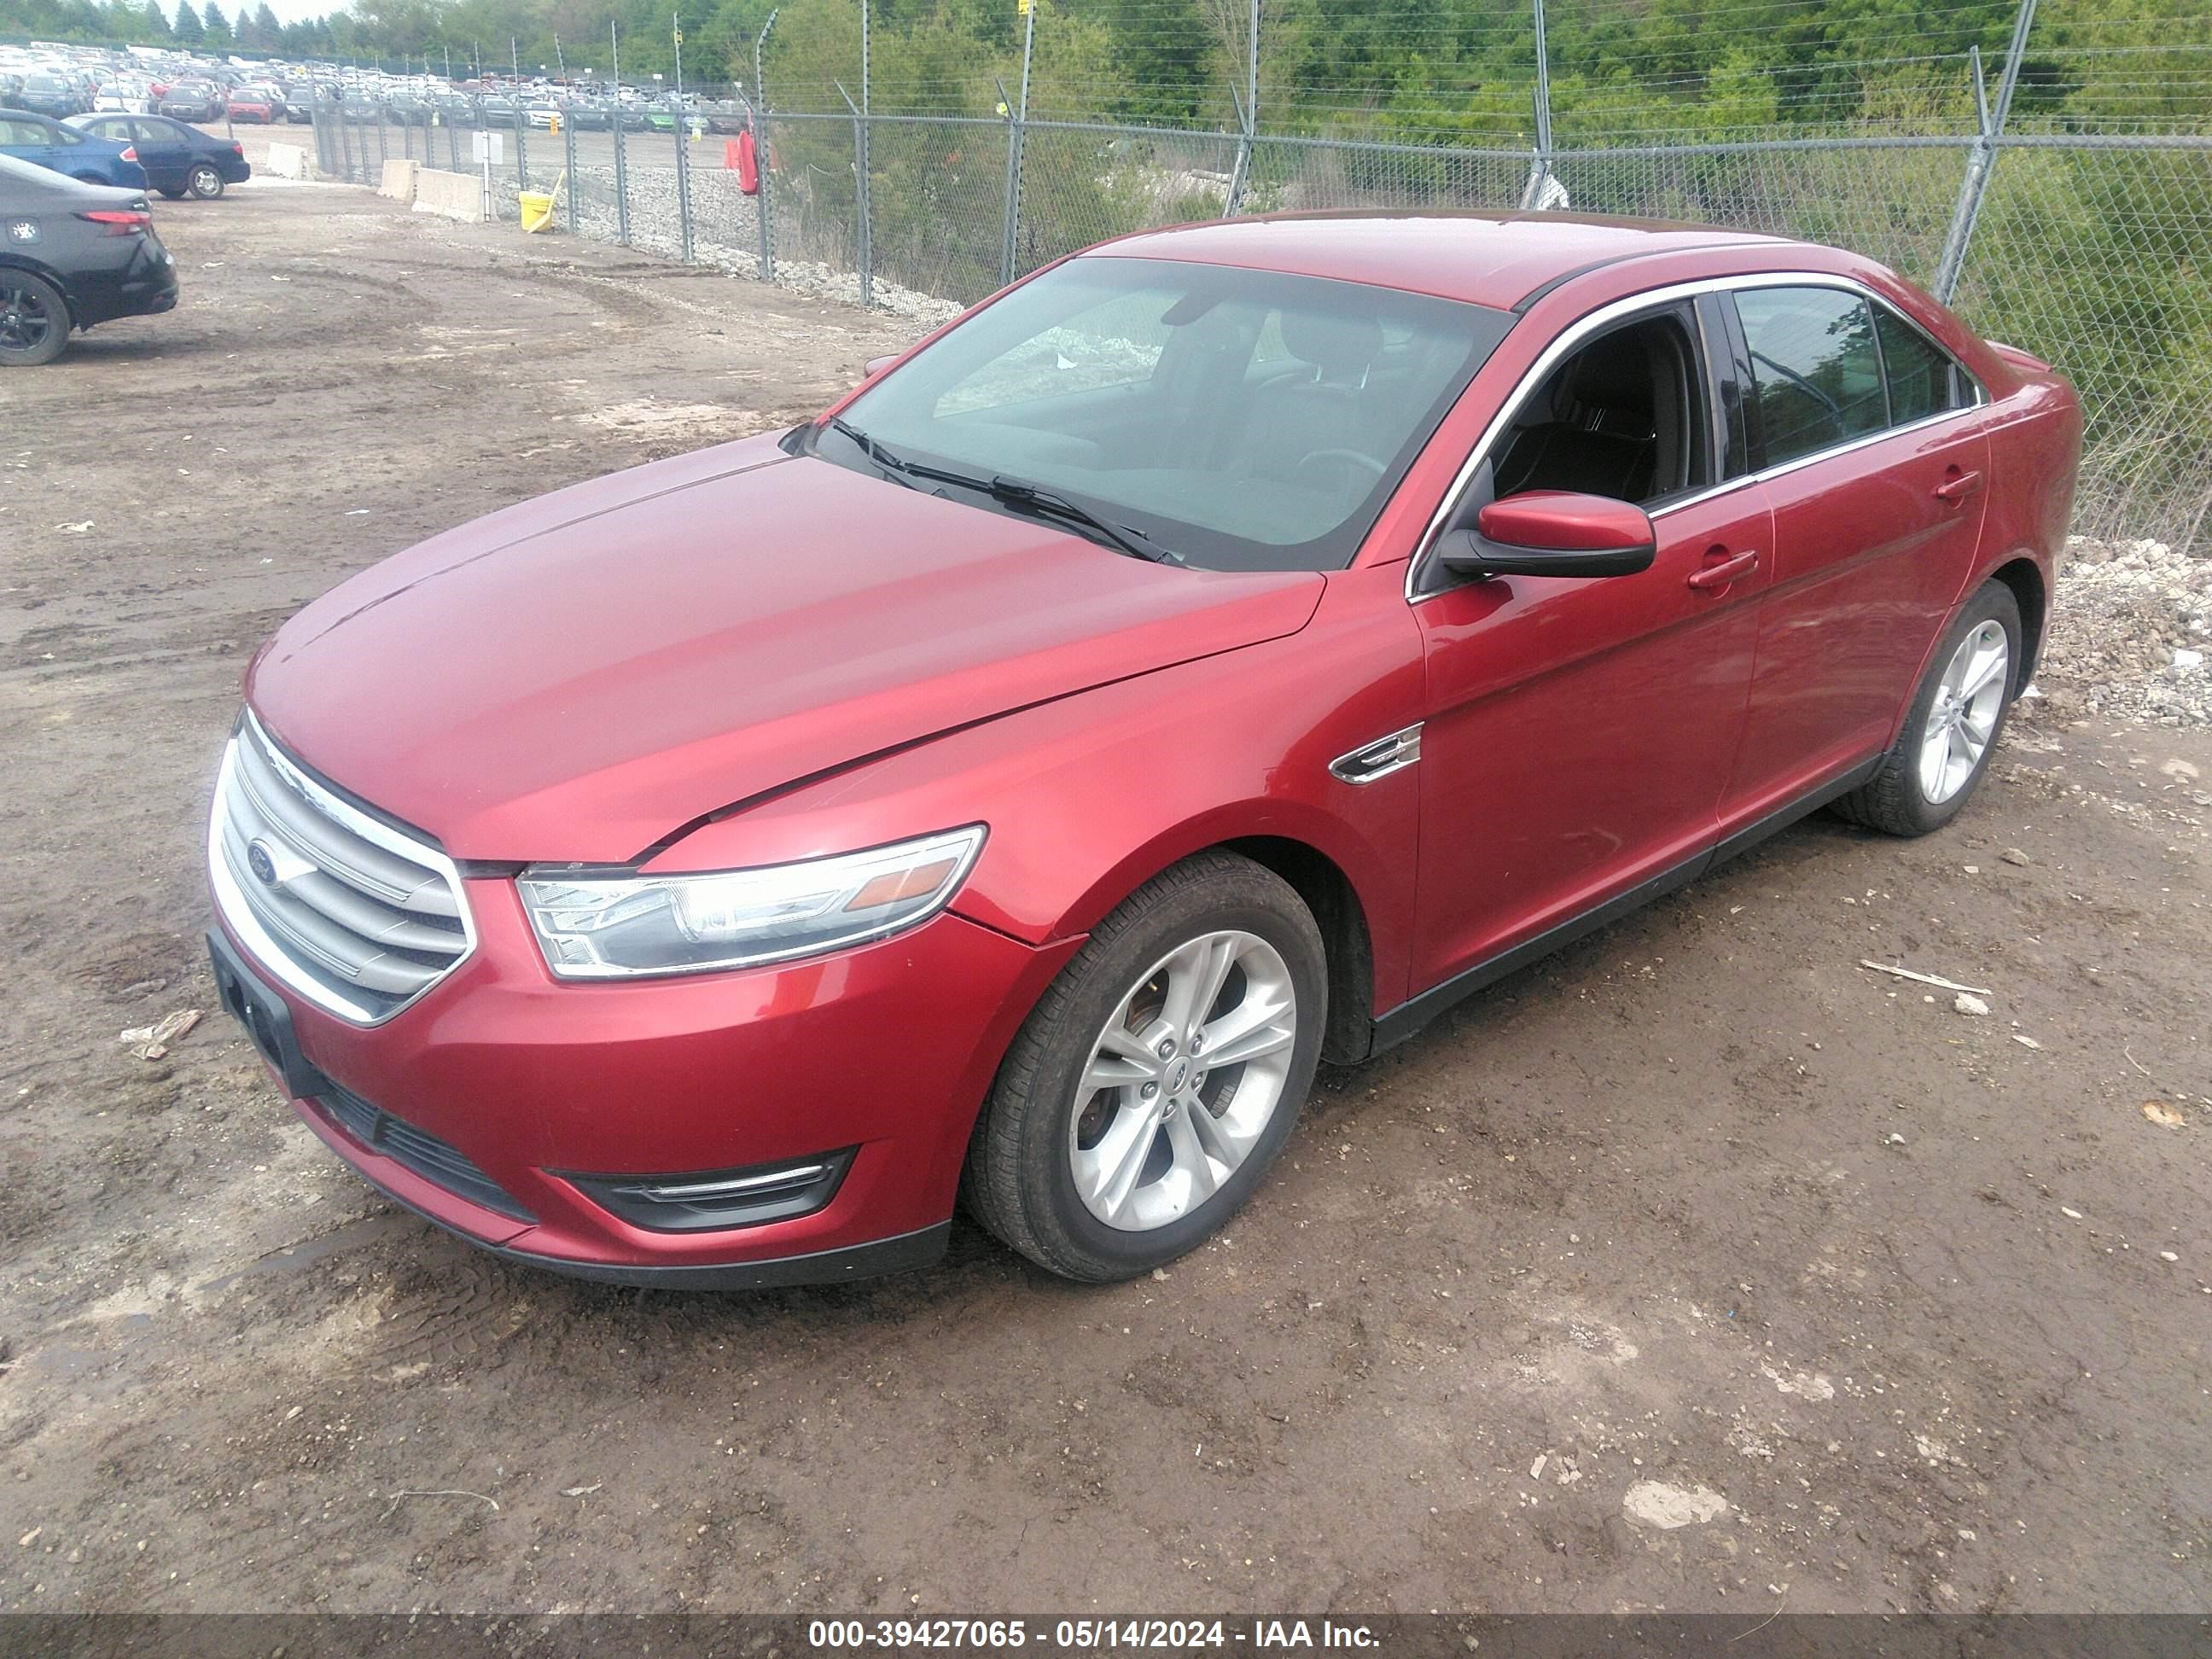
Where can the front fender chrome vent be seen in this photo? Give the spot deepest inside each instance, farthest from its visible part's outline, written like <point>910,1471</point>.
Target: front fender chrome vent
<point>1380,758</point>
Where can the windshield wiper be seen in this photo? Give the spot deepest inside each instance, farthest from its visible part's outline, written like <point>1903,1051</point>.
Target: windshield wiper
<point>1045,503</point>
<point>1012,492</point>
<point>867,445</point>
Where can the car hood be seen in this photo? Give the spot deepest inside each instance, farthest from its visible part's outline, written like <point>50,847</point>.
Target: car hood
<point>577,677</point>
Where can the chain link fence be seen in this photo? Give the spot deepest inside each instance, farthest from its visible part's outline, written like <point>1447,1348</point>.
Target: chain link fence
<point>2094,251</point>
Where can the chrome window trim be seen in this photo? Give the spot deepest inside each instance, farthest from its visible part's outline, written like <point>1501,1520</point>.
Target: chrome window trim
<point>269,956</point>
<point>1652,300</point>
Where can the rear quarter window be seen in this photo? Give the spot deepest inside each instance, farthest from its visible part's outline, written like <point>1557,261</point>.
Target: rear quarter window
<point>1922,379</point>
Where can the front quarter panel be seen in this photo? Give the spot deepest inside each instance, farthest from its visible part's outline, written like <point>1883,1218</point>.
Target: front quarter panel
<point>1088,797</point>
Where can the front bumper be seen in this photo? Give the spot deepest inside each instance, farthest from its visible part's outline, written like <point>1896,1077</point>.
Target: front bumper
<point>529,1083</point>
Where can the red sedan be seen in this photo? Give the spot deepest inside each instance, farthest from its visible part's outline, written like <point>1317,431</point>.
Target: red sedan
<point>253,104</point>
<point>1221,651</point>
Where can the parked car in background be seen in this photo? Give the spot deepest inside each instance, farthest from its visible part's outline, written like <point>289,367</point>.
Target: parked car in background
<point>1230,646</point>
<point>56,95</point>
<point>253,104</point>
<point>46,142</point>
<point>193,100</point>
<point>72,255</point>
<point>177,160</point>
<point>300,104</point>
<point>122,97</point>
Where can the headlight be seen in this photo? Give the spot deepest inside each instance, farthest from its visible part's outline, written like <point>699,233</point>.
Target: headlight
<point>609,927</point>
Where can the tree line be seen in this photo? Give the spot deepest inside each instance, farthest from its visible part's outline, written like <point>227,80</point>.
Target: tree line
<point>1681,66</point>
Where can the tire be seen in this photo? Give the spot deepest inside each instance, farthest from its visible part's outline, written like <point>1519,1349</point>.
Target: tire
<point>172,192</point>
<point>34,320</point>
<point>204,182</point>
<point>1040,1121</point>
<point>1899,800</point>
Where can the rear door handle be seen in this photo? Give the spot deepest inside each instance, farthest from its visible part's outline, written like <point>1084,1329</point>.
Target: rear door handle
<point>1957,489</point>
<point>1707,577</point>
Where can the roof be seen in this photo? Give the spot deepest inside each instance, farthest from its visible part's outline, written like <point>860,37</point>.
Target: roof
<point>1496,259</point>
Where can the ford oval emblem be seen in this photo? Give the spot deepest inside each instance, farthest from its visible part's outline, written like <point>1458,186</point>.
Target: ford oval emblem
<point>261,862</point>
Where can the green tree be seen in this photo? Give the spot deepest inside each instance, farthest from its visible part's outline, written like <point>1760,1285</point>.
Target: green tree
<point>189,31</point>
<point>215,26</point>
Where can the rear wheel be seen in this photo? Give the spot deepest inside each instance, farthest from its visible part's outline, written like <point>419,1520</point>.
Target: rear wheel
<point>175,193</point>
<point>1159,1076</point>
<point>1952,731</point>
<point>34,322</point>
<point>204,182</point>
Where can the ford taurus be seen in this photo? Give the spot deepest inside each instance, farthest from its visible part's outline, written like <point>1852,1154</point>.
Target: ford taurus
<point>1218,653</point>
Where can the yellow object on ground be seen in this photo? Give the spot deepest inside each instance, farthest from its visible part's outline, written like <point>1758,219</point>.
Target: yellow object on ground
<point>537,209</point>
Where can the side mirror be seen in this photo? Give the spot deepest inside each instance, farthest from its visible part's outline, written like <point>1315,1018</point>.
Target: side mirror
<point>1553,532</point>
<point>875,366</point>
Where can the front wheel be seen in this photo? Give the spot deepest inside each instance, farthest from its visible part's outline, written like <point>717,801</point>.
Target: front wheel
<point>1951,729</point>
<point>204,182</point>
<point>1157,1077</point>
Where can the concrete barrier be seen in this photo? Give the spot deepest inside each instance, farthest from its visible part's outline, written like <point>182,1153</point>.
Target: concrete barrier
<point>288,161</point>
<point>399,180</point>
<point>450,195</point>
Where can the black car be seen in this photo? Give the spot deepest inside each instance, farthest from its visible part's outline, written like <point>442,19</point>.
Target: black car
<point>194,101</point>
<point>71,255</point>
<point>178,160</point>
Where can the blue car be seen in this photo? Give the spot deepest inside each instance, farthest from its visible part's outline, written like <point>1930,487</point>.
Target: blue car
<point>178,160</point>
<point>47,143</point>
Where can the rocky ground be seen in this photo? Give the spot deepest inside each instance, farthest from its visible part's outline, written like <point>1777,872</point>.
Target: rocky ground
<point>1703,1266</point>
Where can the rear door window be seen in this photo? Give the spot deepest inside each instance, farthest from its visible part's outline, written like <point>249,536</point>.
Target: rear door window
<point>1816,371</point>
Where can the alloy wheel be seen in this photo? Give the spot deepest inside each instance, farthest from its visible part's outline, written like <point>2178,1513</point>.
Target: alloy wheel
<point>26,323</point>
<point>1964,718</point>
<point>1183,1080</point>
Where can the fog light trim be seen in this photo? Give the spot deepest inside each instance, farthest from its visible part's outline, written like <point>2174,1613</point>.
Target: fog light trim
<point>705,1199</point>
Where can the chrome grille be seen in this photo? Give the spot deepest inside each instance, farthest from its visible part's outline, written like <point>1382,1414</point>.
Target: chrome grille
<point>356,915</point>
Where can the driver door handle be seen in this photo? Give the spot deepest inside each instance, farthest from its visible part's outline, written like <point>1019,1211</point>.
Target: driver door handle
<point>1710,577</point>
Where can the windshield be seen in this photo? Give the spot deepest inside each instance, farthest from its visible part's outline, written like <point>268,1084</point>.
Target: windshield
<point>1234,419</point>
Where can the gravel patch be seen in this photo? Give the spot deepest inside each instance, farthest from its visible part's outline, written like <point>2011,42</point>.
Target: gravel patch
<point>2130,634</point>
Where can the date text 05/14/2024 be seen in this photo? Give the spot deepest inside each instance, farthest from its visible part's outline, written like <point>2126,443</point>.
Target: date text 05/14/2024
<point>1092,1634</point>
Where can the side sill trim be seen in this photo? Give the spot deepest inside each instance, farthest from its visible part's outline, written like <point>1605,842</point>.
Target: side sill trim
<point>1804,807</point>
<point>1409,1017</point>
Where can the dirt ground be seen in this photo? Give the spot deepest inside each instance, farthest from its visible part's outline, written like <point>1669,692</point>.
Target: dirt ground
<point>1698,1268</point>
